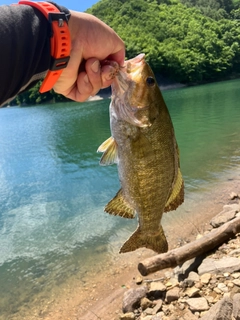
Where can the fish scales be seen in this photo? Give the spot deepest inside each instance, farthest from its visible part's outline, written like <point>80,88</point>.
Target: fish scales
<point>144,147</point>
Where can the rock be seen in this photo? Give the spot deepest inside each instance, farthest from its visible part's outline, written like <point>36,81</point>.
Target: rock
<point>236,282</point>
<point>193,276</point>
<point>222,310</point>
<point>233,196</point>
<point>226,264</point>
<point>235,290</point>
<point>223,217</point>
<point>139,280</point>
<point>146,303</point>
<point>205,278</point>
<point>148,311</point>
<point>210,299</point>
<point>172,317</point>
<point>172,295</point>
<point>168,274</point>
<point>157,317</point>
<point>172,282</point>
<point>236,306</point>
<point>132,298</point>
<point>236,275</point>
<point>187,283</point>
<point>188,315</point>
<point>234,206</point>
<point>197,304</point>
<point>230,285</point>
<point>157,290</point>
<point>199,285</point>
<point>182,272</point>
<point>199,236</point>
<point>222,287</point>
<point>127,316</point>
<point>213,295</point>
<point>157,307</point>
<point>192,292</point>
<point>227,295</point>
<point>146,317</point>
<point>226,274</point>
<point>235,252</point>
<point>218,291</point>
<point>157,286</point>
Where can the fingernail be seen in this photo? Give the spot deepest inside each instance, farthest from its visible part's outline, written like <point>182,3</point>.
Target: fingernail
<point>109,76</point>
<point>85,79</point>
<point>109,72</point>
<point>95,66</point>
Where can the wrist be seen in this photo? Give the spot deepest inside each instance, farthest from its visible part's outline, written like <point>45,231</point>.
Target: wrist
<point>60,40</point>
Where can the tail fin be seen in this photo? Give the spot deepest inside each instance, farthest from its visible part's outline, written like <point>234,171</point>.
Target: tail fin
<point>156,242</point>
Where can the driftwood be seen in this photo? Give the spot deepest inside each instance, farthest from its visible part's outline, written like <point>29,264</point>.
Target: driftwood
<point>191,250</point>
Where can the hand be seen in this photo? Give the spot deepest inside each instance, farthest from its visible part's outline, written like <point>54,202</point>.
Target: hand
<point>92,42</point>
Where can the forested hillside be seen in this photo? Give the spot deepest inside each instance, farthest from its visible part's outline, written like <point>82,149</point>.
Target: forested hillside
<point>178,39</point>
<point>189,41</point>
<point>216,9</point>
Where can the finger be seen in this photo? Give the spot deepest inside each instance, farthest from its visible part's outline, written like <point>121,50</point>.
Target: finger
<point>108,74</point>
<point>119,56</point>
<point>93,71</point>
<point>82,90</point>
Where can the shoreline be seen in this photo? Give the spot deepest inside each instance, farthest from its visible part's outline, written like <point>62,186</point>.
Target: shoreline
<point>101,297</point>
<point>106,94</point>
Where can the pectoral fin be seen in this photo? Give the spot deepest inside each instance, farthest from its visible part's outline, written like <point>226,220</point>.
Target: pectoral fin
<point>109,149</point>
<point>118,206</point>
<point>177,196</point>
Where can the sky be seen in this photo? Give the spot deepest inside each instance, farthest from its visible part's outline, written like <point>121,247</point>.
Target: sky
<point>77,5</point>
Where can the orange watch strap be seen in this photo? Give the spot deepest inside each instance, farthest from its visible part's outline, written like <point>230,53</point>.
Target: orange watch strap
<point>60,41</point>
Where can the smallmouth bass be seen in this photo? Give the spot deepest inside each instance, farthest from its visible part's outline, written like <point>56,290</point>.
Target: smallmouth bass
<point>144,147</point>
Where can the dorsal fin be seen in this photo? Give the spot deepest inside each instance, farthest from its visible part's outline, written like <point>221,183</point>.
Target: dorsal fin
<point>109,149</point>
<point>118,206</point>
<point>177,196</point>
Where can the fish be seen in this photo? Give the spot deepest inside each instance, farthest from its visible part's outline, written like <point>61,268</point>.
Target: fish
<point>144,147</point>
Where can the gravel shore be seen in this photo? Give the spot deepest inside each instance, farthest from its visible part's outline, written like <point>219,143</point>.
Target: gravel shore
<point>206,287</point>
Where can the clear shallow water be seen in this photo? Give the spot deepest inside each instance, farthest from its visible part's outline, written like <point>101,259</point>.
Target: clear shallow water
<point>52,190</point>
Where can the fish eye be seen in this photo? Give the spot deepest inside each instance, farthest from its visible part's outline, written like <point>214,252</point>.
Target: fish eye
<point>150,81</point>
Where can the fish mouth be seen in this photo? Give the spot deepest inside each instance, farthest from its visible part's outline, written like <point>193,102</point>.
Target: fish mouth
<point>122,90</point>
<point>133,65</point>
<point>127,73</point>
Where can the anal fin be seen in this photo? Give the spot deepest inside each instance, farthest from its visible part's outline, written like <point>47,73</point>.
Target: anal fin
<point>118,206</point>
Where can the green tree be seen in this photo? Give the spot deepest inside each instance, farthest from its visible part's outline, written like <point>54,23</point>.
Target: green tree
<point>178,41</point>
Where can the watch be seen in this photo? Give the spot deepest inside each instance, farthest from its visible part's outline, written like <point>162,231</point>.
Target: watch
<point>60,41</point>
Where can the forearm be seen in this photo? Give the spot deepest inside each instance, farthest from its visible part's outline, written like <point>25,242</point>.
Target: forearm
<point>25,53</point>
<point>25,47</point>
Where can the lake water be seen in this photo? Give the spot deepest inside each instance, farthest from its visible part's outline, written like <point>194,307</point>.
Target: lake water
<point>52,189</point>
